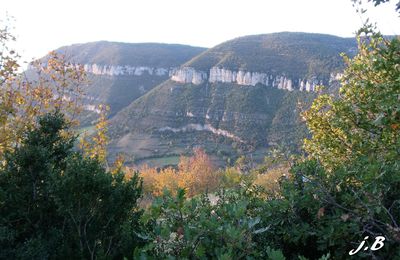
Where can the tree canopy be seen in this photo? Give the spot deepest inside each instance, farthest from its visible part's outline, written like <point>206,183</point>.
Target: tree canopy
<point>56,203</point>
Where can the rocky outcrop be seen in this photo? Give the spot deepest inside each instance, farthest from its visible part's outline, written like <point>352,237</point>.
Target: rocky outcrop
<point>239,77</point>
<point>216,75</point>
<point>117,70</point>
<point>335,77</point>
<point>92,108</point>
<point>244,78</point>
<point>188,75</point>
<point>309,85</point>
<point>249,78</point>
<point>201,127</point>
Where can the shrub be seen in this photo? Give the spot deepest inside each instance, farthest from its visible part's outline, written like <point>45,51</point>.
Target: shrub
<point>55,203</point>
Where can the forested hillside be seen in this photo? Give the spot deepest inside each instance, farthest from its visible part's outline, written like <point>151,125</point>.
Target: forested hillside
<point>241,97</point>
<point>327,187</point>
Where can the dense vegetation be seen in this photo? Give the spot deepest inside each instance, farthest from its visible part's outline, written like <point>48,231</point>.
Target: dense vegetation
<point>154,55</point>
<point>58,200</point>
<point>258,115</point>
<point>296,55</point>
<point>56,203</point>
<point>346,189</point>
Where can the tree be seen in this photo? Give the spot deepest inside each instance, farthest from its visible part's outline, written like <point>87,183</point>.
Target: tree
<point>201,229</point>
<point>96,145</point>
<point>29,219</point>
<point>376,3</point>
<point>348,187</point>
<point>365,118</point>
<point>56,203</point>
<point>197,173</point>
<point>50,84</point>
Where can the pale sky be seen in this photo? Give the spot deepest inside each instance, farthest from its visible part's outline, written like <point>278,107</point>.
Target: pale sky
<point>44,25</point>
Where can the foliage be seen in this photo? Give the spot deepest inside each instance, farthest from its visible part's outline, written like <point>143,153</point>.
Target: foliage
<point>54,85</point>
<point>231,177</point>
<point>364,120</point>
<point>198,173</point>
<point>195,174</point>
<point>155,182</point>
<point>238,224</point>
<point>357,4</point>
<point>59,203</point>
<point>295,54</point>
<point>270,180</point>
<point>348,188</point>
<point>95,146</point>
<point>317,213</point>
<point>201,229</point>
<point>8,56</point>
<point>51,84</point>
<point>56,203</point>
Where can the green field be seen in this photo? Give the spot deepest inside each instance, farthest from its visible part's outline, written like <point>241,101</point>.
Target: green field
<point>160,162</point>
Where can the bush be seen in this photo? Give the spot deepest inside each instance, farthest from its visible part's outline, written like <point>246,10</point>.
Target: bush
<point>200,228</point>
<point>55,203</point>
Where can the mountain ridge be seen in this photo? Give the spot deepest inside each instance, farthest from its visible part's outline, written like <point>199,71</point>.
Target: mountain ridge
<point>135,54</point>
<point>121,72</point>
<point>207,103</point>
<point>239,97</point>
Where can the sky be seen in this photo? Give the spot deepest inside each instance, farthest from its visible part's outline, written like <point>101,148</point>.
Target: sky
<point>44,25</point>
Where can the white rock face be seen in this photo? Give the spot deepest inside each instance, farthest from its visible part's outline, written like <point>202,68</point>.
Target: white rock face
<point>189,114</point>
<point>112,70</point>
<point>283,83</point>
<point>254,78</point>
<point>188,75</point>
<point>199,127</point>
<point>216,74</point>
<point>309,85</point>
<point>245,78</point>
<point>335,77</point>
<point>92,108</point>
<point>222,75</point>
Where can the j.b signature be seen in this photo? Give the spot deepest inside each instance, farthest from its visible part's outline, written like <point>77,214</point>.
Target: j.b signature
<point>378,244</point>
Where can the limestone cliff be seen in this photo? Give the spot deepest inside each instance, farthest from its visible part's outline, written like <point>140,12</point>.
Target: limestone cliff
<point>245,78</point>
<point>112,70</point>
<point>215,75</point>
<point>188,75</point>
